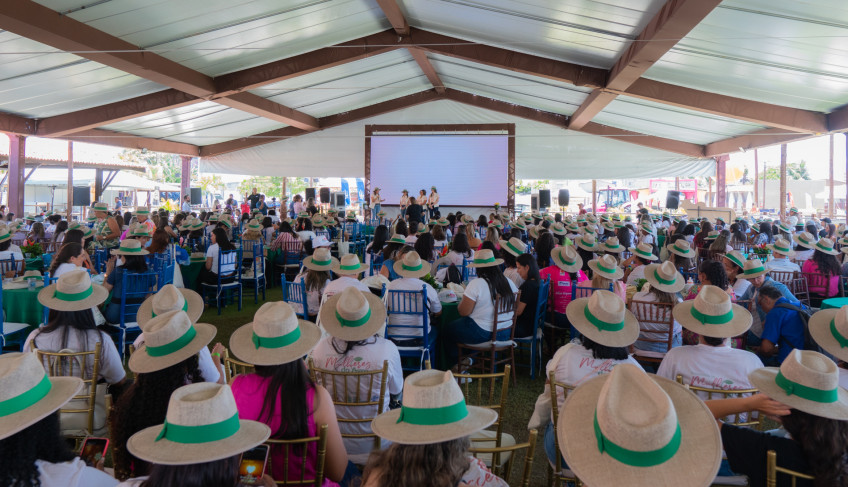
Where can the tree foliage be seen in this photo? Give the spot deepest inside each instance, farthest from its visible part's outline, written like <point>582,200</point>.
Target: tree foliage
<point>522,187</point>
<point>794,170</point>
<point>162,167</point>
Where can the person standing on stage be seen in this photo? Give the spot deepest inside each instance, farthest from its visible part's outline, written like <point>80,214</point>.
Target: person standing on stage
<point>375,202</point>
<point>422,200</point>
<point>415,212</point>
<point>404,203</point>
<point>433,202</point>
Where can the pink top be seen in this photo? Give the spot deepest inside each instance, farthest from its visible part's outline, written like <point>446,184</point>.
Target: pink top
<point>816,284</point>
<point>249,391</point>
<point>561,285</point>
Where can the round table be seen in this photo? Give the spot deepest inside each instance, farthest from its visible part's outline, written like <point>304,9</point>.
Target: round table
<point>191,274</point>
<point>22,306</point>
<point>450,313</point>
<point>35,264</point>
<point>834,303</point>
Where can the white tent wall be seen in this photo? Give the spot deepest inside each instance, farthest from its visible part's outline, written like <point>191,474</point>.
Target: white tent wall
<point>541,151</point>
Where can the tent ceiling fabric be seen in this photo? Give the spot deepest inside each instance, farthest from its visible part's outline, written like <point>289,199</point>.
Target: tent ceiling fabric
<point>541,151</point>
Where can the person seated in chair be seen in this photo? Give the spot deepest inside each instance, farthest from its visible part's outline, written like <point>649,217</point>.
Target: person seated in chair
<point>411,268</point>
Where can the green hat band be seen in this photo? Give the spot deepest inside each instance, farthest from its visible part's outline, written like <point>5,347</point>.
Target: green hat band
<point>73,296</point>
<point>822,247</point>
<point>27,398</point>
<point>174,346</point>
<point>600,324</point>
<point>565,262</point>
<point>513,248</point>
<point>711,319</point>
<point>433,416</point>
<point>322,262</point>
<point>637,458</point>
<point>412,267</point>
<point>276,342</point>
<point>484,261</point>
<point>352,267</point>
<point>792,388</point>
<point>353,323</point>
<point>667,282</point>
<point>200,434</point>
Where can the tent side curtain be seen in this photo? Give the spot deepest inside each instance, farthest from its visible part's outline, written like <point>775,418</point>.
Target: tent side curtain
<point>541,151</point>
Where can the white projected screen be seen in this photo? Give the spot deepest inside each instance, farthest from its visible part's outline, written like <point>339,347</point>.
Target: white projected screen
<point>466,170</point>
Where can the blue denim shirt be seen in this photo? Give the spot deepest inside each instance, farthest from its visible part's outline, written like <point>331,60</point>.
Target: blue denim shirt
<point>784,327</point>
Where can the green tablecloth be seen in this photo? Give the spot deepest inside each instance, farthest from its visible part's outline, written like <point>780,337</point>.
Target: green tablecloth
<point>450,312</point>
<point>191,274</point>
<point>660,241</point>
<point>22,306</point>
<point>834,303</point>
<point>35,264</point>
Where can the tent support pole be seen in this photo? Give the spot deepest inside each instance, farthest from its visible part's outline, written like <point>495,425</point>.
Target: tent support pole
<point>721,180</point>
<point>98,184</point>
<point>69,211</point>
<point>17,163</point>
<point>185,178</point>
<point>594,195</point>
<point>756,178</point>
<point>831,200</point>
<point>782,180</point>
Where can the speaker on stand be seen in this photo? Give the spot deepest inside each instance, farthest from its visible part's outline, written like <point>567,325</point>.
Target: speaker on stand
<point>563,197</point>
<point>196,196</point>
<point>672,200</point>
<point>534,202</point>
<point>310,193</point>
<point>324,194</point>
<point>544,198</point>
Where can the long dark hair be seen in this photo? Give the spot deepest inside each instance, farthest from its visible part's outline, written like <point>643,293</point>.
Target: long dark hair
<point>381,234</point>
<point>425,246</point>
<point>81,322</point>
<point>221,239</point>
<point>66,252</point>
<point>528,261</point>
<point>75,235</point>
<point>827,264</point>
<point>220,473</point>
<point>401,228</point>
<point>61,228</point>
<point>431,465</point>
<point>823,442</point>
<point>287,388</point>
<point>545,244</point>
<point>18,453</point>
<point>159,242</point>
<point>145,404</point>
<point>460,244</point>
<point>714,271</point>
<point>498,283</point>
<point>135,263</point>
<point>602,351</point>
<point>285,227</point>
<point>342,347</point>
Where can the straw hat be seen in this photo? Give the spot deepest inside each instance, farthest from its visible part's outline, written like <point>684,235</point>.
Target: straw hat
<point>442,222</point>
<point>514,246</point>
<point>377,281</point>
<point>73,291</point>
<point>169,339</point>
<point>467,219</point>
<point>198,412</point>
<point>644,250</point>
<point>643,428</point>
<point>142,211</point>
<point>130,246</point>
<point>606,266</point>
<point>485,258</point>
<point>558,228</point>
<point>604,318</point>
<point>254,225</point>
<point>712,235</point>
<point>349,265</point>
<point>608,226</point>
<point>422,229</point>
<point>829,328</point>
<point>4,234</point>
<point>353,315</point>
<point>381,213</point>
<point>412,266</point>
<point>782,246</point>
<point>519,225</point>
<point>91,218</point>
<point>170,298</point>
<point>590,229</point>
<point>433,411</point>
<point>317,220</point>
<point>533,232</point>
<point>825,245</point>
<point>807,381</point>
<point>27,394</point>
<point>140,231</point>
<point>665,277</point>
<point>807,240</point>
<point>275,336</point>
<point>712,314</point>
<point>320,260</point>
<point>573,228</point>
<point>587,242</point>
<point>753,268</point>
<point>736,257</point>
<point>682,248</point>
<point>567,258</point>
<point>397,238</point>
<point>612,245</point>
<point>100,206</point>
<point>784,227</point>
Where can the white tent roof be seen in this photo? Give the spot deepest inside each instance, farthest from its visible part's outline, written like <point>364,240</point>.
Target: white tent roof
<point>85,177</point>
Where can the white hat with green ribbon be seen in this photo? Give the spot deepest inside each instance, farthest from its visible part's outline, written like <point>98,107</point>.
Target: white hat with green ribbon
<point>100,206</point>
<point>713,314</point>
<point>73,291</point>
<point>753,268</point>
<point>736,257</point>
<point>665,277</point>
<point>349,265</point>
<point>606,266</point>
<point>353,315</point>
<point>169,339</point>
<point>604,318</point>
<point>320,260</point>
<point>130,246</point>
<point>566,258</point>
<point>644,250</point>
<point>829,328</point>
<point>612,245</point>
<point>275,336</point>
<point>782,246</point>
<point>682,248</point>
<point>514,246</point>
<point>397,238</point>
<point>825,245</point>
<point>485,258</point>
<point>806,239</point>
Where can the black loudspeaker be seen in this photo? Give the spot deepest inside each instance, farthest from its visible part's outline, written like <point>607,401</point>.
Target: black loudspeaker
<point>544,198</point>
<point>672,200</point>
<point>325,195</point>
<point>340,200</point>
<point>310,193</point>
<point>196,196</point>
<point>534,202</point>
<point>563,197</point>
<point>82,196</point>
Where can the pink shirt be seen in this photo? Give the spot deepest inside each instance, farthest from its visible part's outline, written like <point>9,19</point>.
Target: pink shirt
<point>561,285</point>
<point>810,267</point>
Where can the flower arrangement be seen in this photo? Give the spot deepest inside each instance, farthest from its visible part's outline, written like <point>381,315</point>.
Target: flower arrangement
<point>761,249</point>
<point>497,206</point>
<point>444,251</point>
<point>432,282</point>
<point>33,250</point>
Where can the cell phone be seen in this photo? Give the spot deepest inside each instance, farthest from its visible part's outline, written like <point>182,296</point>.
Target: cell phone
<point>93,450</point>
<point>253,463</point>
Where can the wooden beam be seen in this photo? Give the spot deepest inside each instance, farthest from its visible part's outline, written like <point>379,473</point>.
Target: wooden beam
<point>185,178</point>
<point>520,111</point>
<point>427,67</point>
<point>120,139</point>
<point>591,106</point>
<point>392,11</point>
<point>837,120</point>
<point>721,180</point>
<point>255,104</point>
<point>14,124</point>
<point>652,141</point>
<point>753,140</point>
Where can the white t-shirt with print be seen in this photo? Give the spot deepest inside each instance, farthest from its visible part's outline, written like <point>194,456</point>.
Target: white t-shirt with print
<point>740,287</point>
<point>64,268</point>
<point>313,296</point>
<point>710,367</point>
<point>74,473</point>
<point>783,265</point>
<point>227,267</point>
<point>343,282</point>
<point>478,475</point>
<point>433,303</point>
<point>805,254</point>
<point>483,312</point>
<point>111,368</point>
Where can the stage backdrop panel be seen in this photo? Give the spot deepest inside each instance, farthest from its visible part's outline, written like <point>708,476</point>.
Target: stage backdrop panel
<point>453,163</point>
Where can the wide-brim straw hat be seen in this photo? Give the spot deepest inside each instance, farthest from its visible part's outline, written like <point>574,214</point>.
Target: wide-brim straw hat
<point>784,227</point>
<point>753,268</point>
<point>519,225</point>
<point>320,260</point>
<point>604,318</point>
<point>142,211</point>
<point>130,246</point>
<point>587,242</point>
<point>100,206</point>
<point>170,298</point>
<point>533,232</point>
<point>353,315</point>
<point>558,228</point>
<point>736,258</point>
<point>665,277</point>
<point>807,381</point>
<point>434,411</point>
<point>825,245</point>
<point>829,328</point>
<point>196,412</point>
<point>682,248</point>
<point>349,265</point>
<point>783,247</point>
<point>73,291</point>
<point>806,240</point>
<point>613,245</point>
<point>567,258</point>
<point>275,336</point>
<point>169,339</point>
<point>713,314</point>
<point>606,266</point>
<point>5,235</point>
<point>28,394</point>
<point>514,246</point>
<point>411,265</point>
<point>622,416</point>
<point>643,250</point>
<point>397,238</point>
<point>485,258</point>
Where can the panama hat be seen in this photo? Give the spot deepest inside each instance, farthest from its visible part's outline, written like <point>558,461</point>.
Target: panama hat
<point>558,228</point>
<point>202,425</point>
<point>254,225</point>
<point>793,210</point>
<point>433,411</point>
<point>712,235</point>
<point>351,215</point>
<point>608,226</point>
<point>782,246</point>
<point>130,246</point>
<point>317,220</point>
<point>320,260</point>
<point>212,219</point>
<point>736,257</point>
<point>807,240</point>
<point>169,339</point>
<point>197,224</point>
<point>467,219</point>
<point>497,224</point>
<point>411,265</point>
<point>644,250</point>
<point>807,381</point>
<point>422,229</point>
<point>4,234</point>
<point>303,214</point>
<point>587,242</point>
<point>604,318</point>
<point>607,267</point>
<point>825,245</point>
<point>332,211</point>
<point>573,228</point>
<point>140,231</point>
<point>275,336</point>
<point>784,227</point>
<point>682,248</point>
<point>712,314</point>
<point>349,265</point>
<point>829,328</point>
<point>533,232</point>
<point>590,229</point>
<point>643,428</point>
<point>397,238</point>
<point>514,246</point>
<point>73,291</point>
<point>548,218</point>
<point>519,225</point>
<point>170,298</point>
<point>27,394</point>
<point>353,315</point>
<point>485,258</point>
<point>442,222</point>
<point>665,277</point>
<point>753,268</point>
<point>100,206</point>
<point>91,218</point>
<point>142,211</point>
<point>612,245</point>
<point>567,258</point>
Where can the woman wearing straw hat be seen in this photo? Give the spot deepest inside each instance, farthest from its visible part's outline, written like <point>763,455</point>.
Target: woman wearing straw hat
<point>510,250</point>
<point>7,253</point>
<point>209,272</point>
<point>106,229</point>
<point>564,274</point>
<point>70,257</point>
<point>606,274</point>
<point>358,349</point>
<point>598,350</point>
<point>430,437</point>
<point>131,254</point>
<point>32,448</point>
<point>459,252</point>
<point>734,265</point>
<point>665,286</point>
<point>275,342</point>
<point>641,256</point>
<point>828,328</point>
<point>410,268</point>
<point>805,396</point>
<point>315,276</point>
<point>824,263</point>
<point>348,269</point>
<point>477,306</point>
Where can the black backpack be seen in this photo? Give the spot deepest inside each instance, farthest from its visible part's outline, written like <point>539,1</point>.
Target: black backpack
<point>804,314</point>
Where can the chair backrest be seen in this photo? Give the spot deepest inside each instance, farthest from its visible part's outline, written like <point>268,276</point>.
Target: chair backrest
<point>500,320</point>
<point>294,293</point>
<point>229,264</point>
<point>558,389</point>
<point>296,452</point>
<point>248,247</point>
<point>504,470</point>
<point>745,418</point>
<point>816,280</point>
<point>487,391</point>
<point>376,264</point>
<point>9,265</point>
<point>578,292</point>
<point>784,277</point>
<point>101,257</point>
<point>355,391</point>
<point>772,470</point>
<point>136,286</point>
<point>408,303</point>
<point>542,303</point>
<point>800,289</point>
<point>468,272</point>
<point>74,364</point>
<point>655,314</point>
<point>690,275</point>
<point>257,258</point>
<point>234,367</point>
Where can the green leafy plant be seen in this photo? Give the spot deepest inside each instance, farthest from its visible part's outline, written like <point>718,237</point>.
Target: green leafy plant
<point>639,284</point>
<point>34,249</point>
<point>432,282</point>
